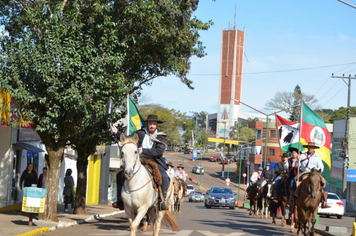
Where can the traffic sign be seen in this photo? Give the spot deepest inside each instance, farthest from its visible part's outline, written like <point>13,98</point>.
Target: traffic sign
<point>244,175</point>
<point>227,181</point>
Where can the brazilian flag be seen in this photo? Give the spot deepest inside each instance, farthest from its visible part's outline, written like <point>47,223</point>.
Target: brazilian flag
<point>136,122</point>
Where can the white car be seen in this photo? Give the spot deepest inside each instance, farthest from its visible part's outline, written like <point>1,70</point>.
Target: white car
<point>337,207</point>
<point>198,170</point>
<point>190,188</point>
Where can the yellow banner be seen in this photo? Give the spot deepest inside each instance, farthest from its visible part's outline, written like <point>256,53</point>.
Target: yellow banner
<point>5,103</point>
<point>221,140</point>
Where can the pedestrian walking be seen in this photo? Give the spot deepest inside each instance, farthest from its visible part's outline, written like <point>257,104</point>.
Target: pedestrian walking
<point>68,190</point>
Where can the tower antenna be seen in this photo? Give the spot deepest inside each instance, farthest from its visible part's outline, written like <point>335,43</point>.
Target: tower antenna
<point>235,18</point>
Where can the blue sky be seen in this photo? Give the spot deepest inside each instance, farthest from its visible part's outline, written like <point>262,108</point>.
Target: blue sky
<point>280,35</point>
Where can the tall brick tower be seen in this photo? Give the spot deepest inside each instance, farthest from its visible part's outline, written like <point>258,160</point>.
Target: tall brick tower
<point>232,52</point>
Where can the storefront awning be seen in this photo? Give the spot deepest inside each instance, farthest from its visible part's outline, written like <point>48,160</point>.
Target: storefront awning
<point>29,147</point>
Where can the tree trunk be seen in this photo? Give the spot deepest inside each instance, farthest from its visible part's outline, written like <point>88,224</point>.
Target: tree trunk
<point>80,199</point>
<point>52,183</point>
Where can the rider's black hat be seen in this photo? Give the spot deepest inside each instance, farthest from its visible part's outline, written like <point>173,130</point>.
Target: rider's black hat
<point>153,118</point>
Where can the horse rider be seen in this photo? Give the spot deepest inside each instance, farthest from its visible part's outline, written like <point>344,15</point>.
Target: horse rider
<point>180,174</point>
<point>278,169</point>
<point>267,174</point>
<point>308,161</point>
<point>151,145</point>
<point>170,172</point>
<point>254,179</point>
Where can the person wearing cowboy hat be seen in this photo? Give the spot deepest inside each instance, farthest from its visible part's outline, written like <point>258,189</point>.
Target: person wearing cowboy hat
<point>151,144</point>
<point>278,169</point>
<point>170,169</point>
<point>180,175</point>
<point>267,174</point>
<point>170,172</point>
<point>254,179</point>
<point>308,161</point>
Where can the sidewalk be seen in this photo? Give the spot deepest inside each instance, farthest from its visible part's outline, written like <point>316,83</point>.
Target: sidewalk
<point>16,222</point>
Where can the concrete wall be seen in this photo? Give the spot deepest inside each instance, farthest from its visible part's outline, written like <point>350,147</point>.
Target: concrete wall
<point>5,164</point>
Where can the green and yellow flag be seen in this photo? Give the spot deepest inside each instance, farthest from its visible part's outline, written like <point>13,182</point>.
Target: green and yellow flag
<point>314,130</point>
<point>136,122</point>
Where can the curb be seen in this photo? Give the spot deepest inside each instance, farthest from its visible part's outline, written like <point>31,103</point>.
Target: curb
<point>35,232</point>
<point>62,224</point>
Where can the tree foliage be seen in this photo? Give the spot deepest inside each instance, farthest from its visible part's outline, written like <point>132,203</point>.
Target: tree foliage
<point>290,102</point>
<point>61,60</point>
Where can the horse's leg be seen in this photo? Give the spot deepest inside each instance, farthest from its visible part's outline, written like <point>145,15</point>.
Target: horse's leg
<point>283,209</point>
<point>158,223</point>
<point>136,222</point>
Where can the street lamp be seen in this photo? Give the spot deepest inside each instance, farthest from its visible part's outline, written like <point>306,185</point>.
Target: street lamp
<point>223,152</point>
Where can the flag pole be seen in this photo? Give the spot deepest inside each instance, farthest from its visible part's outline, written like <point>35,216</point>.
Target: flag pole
<point>279,138</point>
<point>300,133</point>
<point>128,116</point>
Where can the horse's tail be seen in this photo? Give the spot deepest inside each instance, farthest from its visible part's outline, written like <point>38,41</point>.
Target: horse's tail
<point>169,221</point>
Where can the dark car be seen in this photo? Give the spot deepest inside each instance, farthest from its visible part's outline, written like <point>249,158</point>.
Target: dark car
<point>220,197</point>
<point>187,151</point>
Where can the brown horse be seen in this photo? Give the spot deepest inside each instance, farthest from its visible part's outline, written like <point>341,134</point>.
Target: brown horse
<point>255,203</point>
<point>178,199</point>
<point>280,199</point>
<point>307,202</point>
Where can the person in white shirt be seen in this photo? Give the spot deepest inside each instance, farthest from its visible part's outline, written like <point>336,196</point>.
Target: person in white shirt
<point>254,178</point>
<point>170,172</point>
<point>180,176</point>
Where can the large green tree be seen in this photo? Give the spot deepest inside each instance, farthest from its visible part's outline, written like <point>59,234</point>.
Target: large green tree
<point>61,60</point>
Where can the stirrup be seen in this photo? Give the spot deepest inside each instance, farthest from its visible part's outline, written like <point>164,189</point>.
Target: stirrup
<point>118,204</point>
<point>163,206</point>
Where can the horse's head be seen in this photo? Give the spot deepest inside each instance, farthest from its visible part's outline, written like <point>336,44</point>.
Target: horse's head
<point>314,182</point>
<point>284,174</point>
<point>268,188</point>
<point>129,154</point>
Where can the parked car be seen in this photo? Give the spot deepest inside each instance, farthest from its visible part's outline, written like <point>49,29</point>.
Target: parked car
<point>201,151</point>
<point>337,207</point>
<point>187,151</point>
<point>220,197</point>
<point>213,158</point>
<point>190,188</point>
<point>198,170</point>
<point>196,196</point>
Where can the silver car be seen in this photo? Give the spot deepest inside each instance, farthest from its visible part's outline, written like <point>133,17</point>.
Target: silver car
<point>220,197</point>
<point>196,196</point>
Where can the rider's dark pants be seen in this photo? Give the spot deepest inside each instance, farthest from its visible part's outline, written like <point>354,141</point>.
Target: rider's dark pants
<point>165,181</point>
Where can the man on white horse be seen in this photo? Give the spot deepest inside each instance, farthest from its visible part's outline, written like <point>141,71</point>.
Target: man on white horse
<point>151,144</point>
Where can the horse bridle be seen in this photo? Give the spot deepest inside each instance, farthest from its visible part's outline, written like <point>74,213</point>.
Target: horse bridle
<point>135,171</point>
<point>137,156</point>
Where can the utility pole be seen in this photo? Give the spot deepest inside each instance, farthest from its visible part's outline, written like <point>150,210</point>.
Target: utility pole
<point>346,146</point>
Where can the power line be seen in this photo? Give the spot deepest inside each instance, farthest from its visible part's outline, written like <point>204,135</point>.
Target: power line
<point>283,71</point>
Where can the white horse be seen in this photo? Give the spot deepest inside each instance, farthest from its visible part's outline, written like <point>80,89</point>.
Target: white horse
<point>138,193</point>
